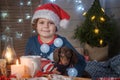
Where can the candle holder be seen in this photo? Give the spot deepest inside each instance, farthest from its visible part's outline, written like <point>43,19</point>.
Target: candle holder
<point>9,53</point>
<point>3,70</point>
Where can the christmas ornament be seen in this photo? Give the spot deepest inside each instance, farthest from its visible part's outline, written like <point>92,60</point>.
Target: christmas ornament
<point>72,72</point>
<point>45,48</point>
<point>58,42</point>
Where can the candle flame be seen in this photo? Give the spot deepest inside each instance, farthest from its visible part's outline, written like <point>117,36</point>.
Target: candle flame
<point>8,55</point>
<point>17,62</point>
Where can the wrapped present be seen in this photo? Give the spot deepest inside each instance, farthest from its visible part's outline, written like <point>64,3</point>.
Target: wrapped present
<point>108,78</point>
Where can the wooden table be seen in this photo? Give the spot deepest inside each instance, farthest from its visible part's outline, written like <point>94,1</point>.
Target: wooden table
<point>58,77</point>
<point>80,78</point>
<point>77,78</point>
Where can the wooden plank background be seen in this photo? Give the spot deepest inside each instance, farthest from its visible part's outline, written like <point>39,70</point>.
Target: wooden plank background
<point>15,11</point>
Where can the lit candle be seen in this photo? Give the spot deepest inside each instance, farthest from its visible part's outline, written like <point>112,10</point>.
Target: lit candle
<point>17,70</point>
<point>8,55</point>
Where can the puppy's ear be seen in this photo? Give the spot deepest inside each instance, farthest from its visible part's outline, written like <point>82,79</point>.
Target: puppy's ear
<point>74,59</point>
<point>56,55</point>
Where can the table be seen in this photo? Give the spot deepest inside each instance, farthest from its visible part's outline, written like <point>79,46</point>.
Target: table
<point>54,77</point>
<point>59,77</point>
<point>82,78</point>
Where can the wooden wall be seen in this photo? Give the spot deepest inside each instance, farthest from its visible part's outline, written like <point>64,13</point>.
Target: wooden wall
<point>16,11</point>
<point>113,8</point>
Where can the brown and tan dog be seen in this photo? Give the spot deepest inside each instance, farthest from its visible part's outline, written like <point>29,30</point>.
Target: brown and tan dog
<point>64,58</point>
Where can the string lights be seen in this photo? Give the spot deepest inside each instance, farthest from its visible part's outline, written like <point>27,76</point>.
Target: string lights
<point>4,15</point>
<point>27,15</point>
<point>79,6</point>
<point>52,0</point>
<point>20,20</point>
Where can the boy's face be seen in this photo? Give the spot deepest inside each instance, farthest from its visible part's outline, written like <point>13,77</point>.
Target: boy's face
<point>45,28</point>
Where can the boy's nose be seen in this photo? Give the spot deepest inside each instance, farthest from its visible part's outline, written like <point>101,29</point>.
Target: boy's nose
<point>46,25</point>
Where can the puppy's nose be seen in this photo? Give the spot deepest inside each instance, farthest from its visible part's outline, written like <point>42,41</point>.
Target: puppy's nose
<point>66,63</point>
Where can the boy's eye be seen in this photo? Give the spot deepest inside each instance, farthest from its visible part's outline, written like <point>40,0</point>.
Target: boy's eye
<point>51,23</point>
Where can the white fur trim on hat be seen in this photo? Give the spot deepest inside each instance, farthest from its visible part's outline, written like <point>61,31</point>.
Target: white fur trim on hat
<point>64,23</point>
<point>47,14</point>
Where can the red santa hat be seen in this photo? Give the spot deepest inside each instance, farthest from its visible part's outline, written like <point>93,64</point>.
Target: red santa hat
<point>52,12</point>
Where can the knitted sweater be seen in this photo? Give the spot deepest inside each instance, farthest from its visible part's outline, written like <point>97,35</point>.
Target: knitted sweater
<point>33,48</point>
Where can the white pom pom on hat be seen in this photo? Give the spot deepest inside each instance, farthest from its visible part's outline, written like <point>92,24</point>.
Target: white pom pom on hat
<point>52,12</point>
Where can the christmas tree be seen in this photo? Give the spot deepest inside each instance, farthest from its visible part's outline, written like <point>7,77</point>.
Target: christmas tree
<point>97,29</point>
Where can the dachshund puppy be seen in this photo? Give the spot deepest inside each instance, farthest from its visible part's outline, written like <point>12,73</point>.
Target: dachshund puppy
<point>64,58</point>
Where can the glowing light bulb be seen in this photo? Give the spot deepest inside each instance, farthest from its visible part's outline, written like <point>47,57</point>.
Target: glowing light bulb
<point>102,9</point>
<point>96,30</point>
<point>29,3</point>
<point>80,8</point>
<point>101,41</point>
<point>84,13</point>
<point>4,14</point>
<point>102,19</point>
<point>93,17</point>
<point>78,1</point>
<point>52,0</point>
<point>20,20</point>
<point>21,3</point>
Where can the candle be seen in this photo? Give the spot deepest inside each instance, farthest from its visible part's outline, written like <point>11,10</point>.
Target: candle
<point>17,69</point>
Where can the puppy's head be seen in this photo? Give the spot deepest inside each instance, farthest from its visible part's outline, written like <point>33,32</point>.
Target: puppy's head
<point>65,56</point>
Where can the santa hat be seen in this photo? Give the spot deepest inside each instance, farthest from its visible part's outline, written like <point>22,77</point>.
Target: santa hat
<point>52,12</point>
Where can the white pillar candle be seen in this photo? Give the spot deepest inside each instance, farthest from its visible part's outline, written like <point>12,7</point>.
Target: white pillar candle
<point>17,70</point>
